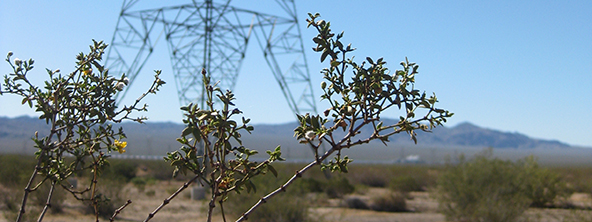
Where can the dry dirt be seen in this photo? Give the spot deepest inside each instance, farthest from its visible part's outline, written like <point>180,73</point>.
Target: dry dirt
<point>422,206</point>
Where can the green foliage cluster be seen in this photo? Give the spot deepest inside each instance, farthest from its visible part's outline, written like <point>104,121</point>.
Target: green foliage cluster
<point>208,149</point>
<point>542,186</point>
<point>79,107</point>
<point>487,189</point>
<point>361,100</point>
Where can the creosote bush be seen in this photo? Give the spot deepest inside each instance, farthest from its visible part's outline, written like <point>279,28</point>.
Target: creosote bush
<point>482,190</point>
<point>338,187</point>
<point>542,186</point>
<point>485,189</point>
<point>80,108</point>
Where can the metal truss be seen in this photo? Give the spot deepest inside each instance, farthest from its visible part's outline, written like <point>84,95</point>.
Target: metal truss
<point>213,36</point>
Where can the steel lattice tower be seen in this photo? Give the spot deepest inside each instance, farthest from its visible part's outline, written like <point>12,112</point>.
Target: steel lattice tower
<point>214,36</point>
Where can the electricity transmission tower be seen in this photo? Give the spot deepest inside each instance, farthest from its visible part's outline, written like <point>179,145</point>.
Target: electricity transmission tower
<point>213,36</point>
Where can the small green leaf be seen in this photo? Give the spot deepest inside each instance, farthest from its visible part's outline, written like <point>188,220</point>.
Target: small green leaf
<point>334,63</point>
<point>324,55</point>
<point>188,130</point>
<point>272,170</point>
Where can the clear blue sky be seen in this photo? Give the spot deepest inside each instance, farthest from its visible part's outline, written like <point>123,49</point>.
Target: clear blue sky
<point>517,66</point>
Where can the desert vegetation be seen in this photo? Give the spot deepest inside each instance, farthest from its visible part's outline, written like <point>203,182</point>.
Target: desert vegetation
<point>72,172</point>
<point>410,191</point>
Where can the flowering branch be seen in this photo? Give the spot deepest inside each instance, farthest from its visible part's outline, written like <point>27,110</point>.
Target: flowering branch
<point>79,108</point>
<point>357,104</point>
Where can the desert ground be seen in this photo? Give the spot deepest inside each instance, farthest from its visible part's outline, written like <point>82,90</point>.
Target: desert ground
<point>421,206</point>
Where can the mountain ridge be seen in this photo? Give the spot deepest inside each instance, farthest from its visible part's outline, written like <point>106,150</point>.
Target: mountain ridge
<point>154,139</point>
<point>462,134</point>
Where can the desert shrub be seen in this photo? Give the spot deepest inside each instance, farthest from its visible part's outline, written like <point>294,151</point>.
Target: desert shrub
<point>405,184</point>
<point>394,202</point>
<point>356,203</point>
<point>482,190</point>
<point>141,182</point>
<point>285,208</point>
<point>337,187</point>
<point>542,186</point>
<point>80,108</point>
<point>160,170</point>
<point>370,175</point>
<point>308,185</point>
<point>120,170</point>
<point>578,179</point>
<point>15,170</point>
<point>373,179</point>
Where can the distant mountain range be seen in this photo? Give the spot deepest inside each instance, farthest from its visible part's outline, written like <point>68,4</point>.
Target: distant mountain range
<point>16,132</point>
<point>155,139</point>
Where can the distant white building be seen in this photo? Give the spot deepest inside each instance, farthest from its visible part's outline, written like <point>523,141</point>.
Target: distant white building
<point>410,159</point>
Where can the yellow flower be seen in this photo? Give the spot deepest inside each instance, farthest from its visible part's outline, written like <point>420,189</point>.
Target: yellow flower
<point>87,72</point>
<point>120,145</point>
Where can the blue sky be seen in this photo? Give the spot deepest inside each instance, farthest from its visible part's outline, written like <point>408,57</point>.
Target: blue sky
<point>517,66</point>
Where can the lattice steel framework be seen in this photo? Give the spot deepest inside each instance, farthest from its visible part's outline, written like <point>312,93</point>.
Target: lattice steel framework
<point>214,36</point>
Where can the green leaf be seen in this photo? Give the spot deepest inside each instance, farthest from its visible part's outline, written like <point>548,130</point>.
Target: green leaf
<point>188,130</point>
<point>196,133</point>
<point>324,55</point>
<point>272,170</point>
<point>316,40</point>
<point>379,126</point>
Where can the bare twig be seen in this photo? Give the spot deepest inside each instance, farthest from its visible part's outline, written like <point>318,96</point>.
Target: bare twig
<point>119,210</point>
<point>28,187</point>
<point>167,200</point>
<point>283,187</point>
<point>47,202</point>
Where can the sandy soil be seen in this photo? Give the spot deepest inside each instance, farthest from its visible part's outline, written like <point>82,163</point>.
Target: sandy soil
<point>423,208</point>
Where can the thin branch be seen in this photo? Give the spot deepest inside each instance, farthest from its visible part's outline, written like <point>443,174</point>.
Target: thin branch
<point>119,210</point>
<point>167,200</point>
<point>283,187</point>
<point>28,187</point>
<point>47,203</point>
